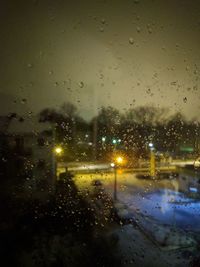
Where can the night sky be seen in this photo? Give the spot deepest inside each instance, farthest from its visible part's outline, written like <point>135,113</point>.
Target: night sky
<point>97,53</point>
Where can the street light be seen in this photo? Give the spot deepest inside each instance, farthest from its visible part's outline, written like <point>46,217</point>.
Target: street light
<point>58,150</point>
<point>114,141</point>
<point>151,145</point>
<point>152,160</point>
<point>103,139</point>
<point>119,160</point>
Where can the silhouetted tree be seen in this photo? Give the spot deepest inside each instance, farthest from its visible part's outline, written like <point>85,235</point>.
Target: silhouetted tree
<point>69,128</point>
<point>107,124</point>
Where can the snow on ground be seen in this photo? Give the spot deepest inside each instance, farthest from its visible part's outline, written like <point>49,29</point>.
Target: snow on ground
<point>165,206</point>
<point>169,218</point>
<point>135,249</point>
<point>166,216</point>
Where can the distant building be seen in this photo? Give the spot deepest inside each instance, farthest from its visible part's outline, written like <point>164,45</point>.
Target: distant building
<point>27,149</point>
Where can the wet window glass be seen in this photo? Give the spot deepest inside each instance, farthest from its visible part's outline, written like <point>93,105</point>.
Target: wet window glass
<point>100,133</point>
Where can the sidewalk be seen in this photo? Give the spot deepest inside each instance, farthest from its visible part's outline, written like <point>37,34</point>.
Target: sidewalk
<point>166,217</point>
<point>137,250</point>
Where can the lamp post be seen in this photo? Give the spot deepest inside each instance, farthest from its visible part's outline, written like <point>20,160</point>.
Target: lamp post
<point>103,139</point>
<point>57,151</point>
<point>152,160</point>
<point>115,183</point>
<point>118,161</point>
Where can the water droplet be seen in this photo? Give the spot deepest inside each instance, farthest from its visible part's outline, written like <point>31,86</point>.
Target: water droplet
<point>138,29</point>
<point>23,100</point>
<point>29,65</point>
<point>101,29</point>
<point>148,91</point>
<point>185,99</point>
<point>131,41</point>
<point>101,76</point>
<point>41,53</point>
<point>103,21</point>
<point>174,83</point>
<point>81,84</point>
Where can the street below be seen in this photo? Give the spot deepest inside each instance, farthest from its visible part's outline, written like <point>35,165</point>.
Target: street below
<point>166,211</point>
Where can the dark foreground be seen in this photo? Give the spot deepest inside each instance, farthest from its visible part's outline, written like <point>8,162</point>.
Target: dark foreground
<point>66,228</point>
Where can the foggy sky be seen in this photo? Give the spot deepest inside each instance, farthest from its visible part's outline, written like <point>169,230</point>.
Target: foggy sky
<point>122,53</point>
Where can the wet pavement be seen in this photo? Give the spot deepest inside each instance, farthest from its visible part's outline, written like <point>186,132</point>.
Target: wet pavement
<point>167,210</point>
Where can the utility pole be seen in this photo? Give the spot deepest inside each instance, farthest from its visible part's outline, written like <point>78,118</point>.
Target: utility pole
<point>54,164</point>
<point>152,161</point>
<point>117,163</point>
<point>152,164</point>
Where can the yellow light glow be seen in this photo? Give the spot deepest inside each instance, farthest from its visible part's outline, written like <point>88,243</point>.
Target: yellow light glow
<point>58,150</point>
<point>119,160</point>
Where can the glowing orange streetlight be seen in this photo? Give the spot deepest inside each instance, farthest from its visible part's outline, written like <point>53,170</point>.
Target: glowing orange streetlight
<point>56,153</point>
<point>58,150</point>
<point>118,161</point>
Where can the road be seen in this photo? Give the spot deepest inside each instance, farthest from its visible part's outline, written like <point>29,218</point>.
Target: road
<point>160,203</point>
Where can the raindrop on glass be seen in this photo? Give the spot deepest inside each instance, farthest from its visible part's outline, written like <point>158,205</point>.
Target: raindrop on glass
<point>29,65</point>
<point>138,29</point>
<point>81,84</point>
<point>101,29</point>
<point>103,21</point>
<point>131,41</point>
<point>101,76</point>
<point>23,100</point>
